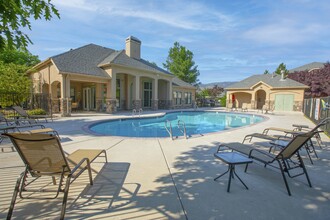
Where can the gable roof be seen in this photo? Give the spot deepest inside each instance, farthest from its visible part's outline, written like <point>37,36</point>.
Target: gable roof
<point>120,58</point>
<point>308,67</point>
<point>178,82</point>
<point>273,81</point>
<point>89,59</point>
<point>83,60</point>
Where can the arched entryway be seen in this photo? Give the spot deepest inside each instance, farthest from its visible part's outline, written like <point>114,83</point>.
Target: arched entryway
<point>261,98</point>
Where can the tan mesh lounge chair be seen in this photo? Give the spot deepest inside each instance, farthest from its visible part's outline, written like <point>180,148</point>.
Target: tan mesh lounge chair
<point>43,155</point>
<point>284,139</point>
<point>41,131</point>
<point>288,158</point>
<point>24,114</point>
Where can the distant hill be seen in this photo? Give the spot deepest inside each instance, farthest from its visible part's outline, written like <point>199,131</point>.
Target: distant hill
<point>220,84</point>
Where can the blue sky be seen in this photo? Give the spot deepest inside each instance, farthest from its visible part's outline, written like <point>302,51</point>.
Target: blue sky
<point>231,40</point>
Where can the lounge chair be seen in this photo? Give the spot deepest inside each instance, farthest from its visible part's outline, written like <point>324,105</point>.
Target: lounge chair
<point>244,107</point>
<point>306,128</point>
<point>16,121</point>
<point>282,140</point>
<point>230,107</point>
<point>288,158</point>
<point>6,121</point>
<point>266,109</point>
<point>24,114</point>
<point>43,155</point>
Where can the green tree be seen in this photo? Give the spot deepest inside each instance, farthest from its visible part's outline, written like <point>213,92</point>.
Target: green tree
<point>18,56</point>
<point>281,67</point>
<point>180,62</point>
<point>15,15</point>
<point>266,72</point>
<point>13,79</point>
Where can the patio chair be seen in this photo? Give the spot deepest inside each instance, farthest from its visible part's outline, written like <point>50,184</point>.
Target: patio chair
<point>288,158</point>
<point>24,114</point>
<point>6,121</point>
<point>244,107</point>
<point>284,139</point>
<point>43,155</point>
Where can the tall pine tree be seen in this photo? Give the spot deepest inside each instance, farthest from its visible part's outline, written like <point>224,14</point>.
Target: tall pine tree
<point>180,63</point>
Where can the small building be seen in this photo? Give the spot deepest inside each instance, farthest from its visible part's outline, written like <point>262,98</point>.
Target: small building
<point>273,91</point>
<point>96,78</point>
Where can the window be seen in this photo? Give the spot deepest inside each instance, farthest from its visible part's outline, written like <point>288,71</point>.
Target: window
<point>177,97</point>
<point>187,97</point>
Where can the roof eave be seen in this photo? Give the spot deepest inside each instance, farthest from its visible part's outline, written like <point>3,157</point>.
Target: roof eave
<point>83,74</point>
<point>135,68</point>
<point>39,65</point>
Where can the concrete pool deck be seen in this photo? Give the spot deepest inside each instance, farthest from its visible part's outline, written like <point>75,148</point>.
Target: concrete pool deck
<point>157,178</point>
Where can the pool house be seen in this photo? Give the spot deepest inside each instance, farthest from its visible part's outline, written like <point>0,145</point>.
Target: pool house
<point>270,90</point>
<point>96,78</point>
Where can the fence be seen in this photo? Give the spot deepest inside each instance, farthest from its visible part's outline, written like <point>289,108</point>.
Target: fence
<point>25,100</point>
<point>313,110</point>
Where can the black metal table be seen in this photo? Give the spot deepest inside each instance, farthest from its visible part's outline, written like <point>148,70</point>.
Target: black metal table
<point>232,159</point>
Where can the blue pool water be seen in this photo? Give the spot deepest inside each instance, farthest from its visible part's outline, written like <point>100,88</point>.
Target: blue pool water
<point>196,122</point>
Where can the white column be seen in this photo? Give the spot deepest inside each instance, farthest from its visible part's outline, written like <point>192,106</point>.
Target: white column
<point>63,87</point>
<point>113,87</point>
<point>68,87</point>
<point>170,96</point>
<point>155,90</point>
<point>108,95</point>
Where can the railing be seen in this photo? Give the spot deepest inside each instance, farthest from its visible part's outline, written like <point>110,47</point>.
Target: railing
<point>315,110</point>
<point>168,128</point>
<point>25,100</point>
<point>195,106</point>
<point>182,128</point>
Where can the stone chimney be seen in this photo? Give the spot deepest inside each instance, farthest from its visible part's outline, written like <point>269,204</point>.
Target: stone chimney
<point>282,76</point>
<point>133,47</point>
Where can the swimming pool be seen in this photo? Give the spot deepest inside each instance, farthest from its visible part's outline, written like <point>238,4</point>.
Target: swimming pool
<point>196,123</point>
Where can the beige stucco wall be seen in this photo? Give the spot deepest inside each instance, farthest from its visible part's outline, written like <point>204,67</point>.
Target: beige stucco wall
<point>45,74</point>
<point>251,95</point>
<point>183,90</point>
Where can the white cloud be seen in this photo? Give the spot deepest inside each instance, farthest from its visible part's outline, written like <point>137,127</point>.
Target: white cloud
<point>180,14</point>
<point>284,33</point>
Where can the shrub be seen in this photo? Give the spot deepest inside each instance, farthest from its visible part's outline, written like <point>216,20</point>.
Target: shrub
<point>223,101</point>
<point>38,111</point>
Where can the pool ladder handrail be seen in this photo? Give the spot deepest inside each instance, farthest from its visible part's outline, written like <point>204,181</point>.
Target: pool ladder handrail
<point>169,130</point>
<point>183,131</point>
<point>195,106</point>
<point>134,112</point>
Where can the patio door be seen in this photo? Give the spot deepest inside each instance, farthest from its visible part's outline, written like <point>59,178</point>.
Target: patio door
<point>147,94</point>
<point>89,98</point>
